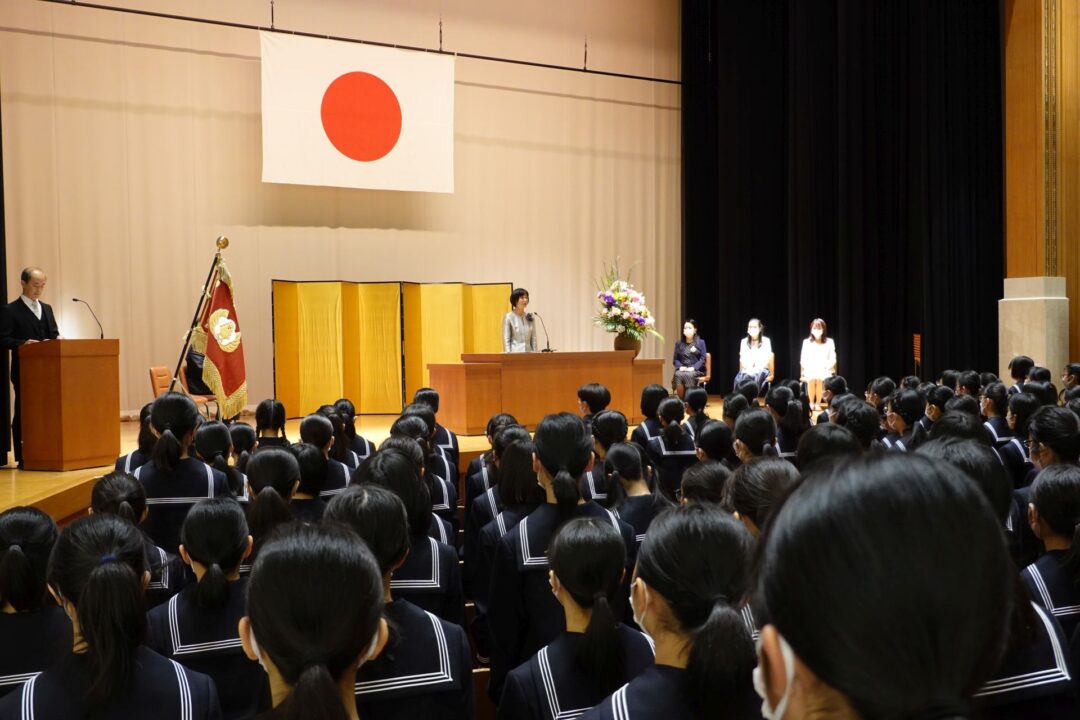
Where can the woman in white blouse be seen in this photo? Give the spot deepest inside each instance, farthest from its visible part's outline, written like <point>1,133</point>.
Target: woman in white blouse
<point>818,360</point>
<point>756,360</point>
<point>519,330</point>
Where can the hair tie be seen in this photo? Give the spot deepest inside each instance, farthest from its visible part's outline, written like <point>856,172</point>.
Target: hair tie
<point>721,598</point>
<point>108,558</point>
<point>14,546</point>
<point>599,595</point>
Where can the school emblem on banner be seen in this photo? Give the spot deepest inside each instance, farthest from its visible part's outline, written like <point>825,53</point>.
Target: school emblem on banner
<point>218,337</point>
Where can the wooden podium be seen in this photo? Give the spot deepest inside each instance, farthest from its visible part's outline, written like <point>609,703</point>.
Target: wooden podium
<point>70,396</point>
<point>531,385</point>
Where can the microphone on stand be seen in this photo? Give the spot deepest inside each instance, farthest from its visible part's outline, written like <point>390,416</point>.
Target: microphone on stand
<point>547,339</point>
<point>100,329</point>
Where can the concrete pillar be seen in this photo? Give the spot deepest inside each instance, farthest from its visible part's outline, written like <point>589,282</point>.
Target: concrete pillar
<point>1033,320</point>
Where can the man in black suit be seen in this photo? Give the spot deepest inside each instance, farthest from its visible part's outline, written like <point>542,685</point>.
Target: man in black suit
<point>26,320</point>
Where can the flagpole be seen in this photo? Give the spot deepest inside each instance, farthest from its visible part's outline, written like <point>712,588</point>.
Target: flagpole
<point>222,243</point>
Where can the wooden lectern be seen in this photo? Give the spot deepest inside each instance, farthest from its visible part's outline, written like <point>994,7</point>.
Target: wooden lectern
<point>70,396</point>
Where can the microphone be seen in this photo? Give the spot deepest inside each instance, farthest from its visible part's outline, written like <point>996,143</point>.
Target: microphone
<point>547,339</point>
<point>100,329</point>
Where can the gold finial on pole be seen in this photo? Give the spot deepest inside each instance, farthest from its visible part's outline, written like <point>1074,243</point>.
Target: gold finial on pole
<point>222,242</point>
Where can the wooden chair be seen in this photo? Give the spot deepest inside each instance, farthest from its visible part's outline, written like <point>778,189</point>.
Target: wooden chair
<point>159,380</point>
<point>704,379</point>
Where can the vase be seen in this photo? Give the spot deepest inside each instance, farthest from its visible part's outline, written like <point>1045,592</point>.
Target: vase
<point>625,342</point>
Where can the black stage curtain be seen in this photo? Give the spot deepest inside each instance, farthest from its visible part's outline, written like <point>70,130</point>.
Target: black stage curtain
<point>843,159</point>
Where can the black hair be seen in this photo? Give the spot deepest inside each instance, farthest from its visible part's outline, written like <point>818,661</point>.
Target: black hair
<point>998,396</point>
<point>862,419</point>
<point>883,387</point>
<point>377,515</point>
<point>692,321</point>
<point>1072,369</point>
<point>422,411</point>
<point>755,487</point>
<point>213,442</point>
<point>427,396</point>
<point>985,378</point>
<point>981,464</point>
<point>836,384</point>
<point>243,440</point>
<point>756,430</point>
<point>270,415</point>
<point>962,425</point>
<point>969,380</point>
<point>595,395</point>
<point>696,399</point>
<point>146,435</point>
<point>340,449</point>
<point>790,410</point>
<point>1040,374</point>
<point>498,421</point>
<point>98,564</point>
<point>1022,406</point>
<point>609,427</point>
<point>272,474</point>
<point>413,426</point>
<point>908,405</point>
<point>564,448</point>
<point>27,536</point>
<point>1055,493</point>
<point>289,620</point>
<point>517,479</point>
<point>516,295</point>
<point>698,559</point>
<point>626,462</point>
<point>714,440</point>
<point>949,378</point>
<point>1020,366</point>
<point>28,273</point>
<point>704,482</point>
<point>347,412</point>
<point>313,468</point>
<point>316,429</point>
<point>910,382</point>
<point>407,446</point>
<point>734,405</point>
<point>173,415</point>
<point>761,332</point>
<point>1057,428</point>
<point>750,391</point>
<point>651,397</point>
<point>119,494</point>
<point>939,396</point>
<point>966,404</point>
<point>215,535</point>
<point>826,442</point>
<point>588,557</point>
<point>848,550</point>
<point>1045,392</point>
<point>1073,404</point>
<point>671,413</point>
<point>395,471</point>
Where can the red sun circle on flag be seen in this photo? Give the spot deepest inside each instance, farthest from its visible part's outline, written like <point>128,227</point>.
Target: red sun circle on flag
<point>361,116</point>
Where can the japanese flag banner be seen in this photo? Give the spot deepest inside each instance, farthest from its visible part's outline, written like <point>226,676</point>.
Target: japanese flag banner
<point>351,115</point>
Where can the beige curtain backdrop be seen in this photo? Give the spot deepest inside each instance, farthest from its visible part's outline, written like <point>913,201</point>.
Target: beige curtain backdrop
<point>130,143</point>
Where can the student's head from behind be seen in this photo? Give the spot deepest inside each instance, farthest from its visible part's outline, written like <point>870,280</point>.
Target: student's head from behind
<point>174,418</point>
<point>273,476</point>
<point>981,464</point>
<point>564,452</point>
<point>690,576</point>
<point>755,434</point>
<point>968,383</point>
<point>750,391</point>
<point>424,413</point>
<point>704,482</point>
<point>318,430</point>
<point>593,398</point>
<point>734,405</point>
<point>1044,391</point>
<point>819,331</point>
<point>213,443</point>
<point>608,428</point>
<point>313,466</point>
<point>346,410</point>
<point>904,408</point>
<point>517,479</point>
<point>880,389</point>
<point>33,282</point>
<point>696,399</point>
<point>651,397</point>
<point>961,426</point>
<point>496,422</point>
<point>826,442</point>
<point>1019,367</point>
<point>849,550</point>
<point>1053,437</point>
<point>936,400</point>
<point>519,300</point>
<point>270,417</point>
<point>831,387</point>
<point>427,396</point>
<point>119,494</point>
<point>395,471</point>
<point>377,515</point>
<point>27,536</point>
<point>243,440</point>
<point>862,419</point>
<point>1040,374</point>
<point>1054,511</point>
<point>412,449</point>
<point>1021,407</point>
<point>994,401</point>
<point>966,404</point>
<point>214,540</point>
<point>756,487</point>
<point>714,441</point>
<point>286,625</point>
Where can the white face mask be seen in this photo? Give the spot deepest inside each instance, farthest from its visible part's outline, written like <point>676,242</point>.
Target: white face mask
<point>370,653</point>
<point>767,711</point>
<point>640,619</point>
<point>753,332</point>
<point>816,333</point>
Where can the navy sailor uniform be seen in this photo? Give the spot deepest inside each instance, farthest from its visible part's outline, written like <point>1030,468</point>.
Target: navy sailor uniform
<point>552,685</point>
<point>448,443</point>
<point>522,613</point>
<point>1050,585</point>
<point>594,484</point>
<point>171,493</point>
<point>338,475</point>
<point>660,692</point>
<point>160,690</point>
<point>479,482</point>
<point>207,640</point>
<point>362,447</point>
<point>430,578</point>
<point>646,431</point>
<point>897,442</point>
<point>998,428</point>
<point>483,510</point>
<point>308,510</point>
<point>268,442</point>
<point>1014,456</point>
<point>480,461</point>
<point>168,574</point>
<point>32,642</point>
<point>425,671</point>
<point>444,503</point>
<point>638,511</point>
<point>440,529</point>
<point>670,461</point>
<point>131,462</point>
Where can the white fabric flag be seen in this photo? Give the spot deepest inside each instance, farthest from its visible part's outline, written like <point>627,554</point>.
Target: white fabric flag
<point>358,116</point>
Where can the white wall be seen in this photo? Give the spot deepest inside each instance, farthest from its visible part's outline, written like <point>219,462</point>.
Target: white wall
<point>130,143</point>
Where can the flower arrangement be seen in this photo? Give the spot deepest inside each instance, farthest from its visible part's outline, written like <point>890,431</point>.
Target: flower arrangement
<point>622,308</point>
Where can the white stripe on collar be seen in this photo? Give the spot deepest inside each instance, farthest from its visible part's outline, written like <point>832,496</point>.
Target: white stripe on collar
<point>432,582</point>
<point>1058,673</point>
<point>179,648</point>
<point>444,674</point>
<point>28,699</point>
<point>552,692</point>
<point>185,691</point>
<point>163,582</point>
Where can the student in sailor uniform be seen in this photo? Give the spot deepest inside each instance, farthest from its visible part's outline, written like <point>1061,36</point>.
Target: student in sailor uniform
<point>430,577</point>
<point>704,482</point>
<point>936,399</point>
<point>755,435</point>
<point>756,488</point>
<point>593,398</point>
<point>673,450</point>
<point>441,487</point>
<point>356,442</point>
<point>213,444</point>
<point>174,480</point>
<point>694,403</point>
<point>438,528</point>
<point>425,671</point>
<point>522,613</point>
<point>270,424</point>
<point>495,423</point>
<point>305,504</point>
<point>122,495</point>
<point>488,476</point>
<point>608,428</point>
<point>691,573</point>
<point>848,550</point>
<point>441,461</point>
<point>715,442</point>
<point>994,406</point>
<point>1054,514</point>
<point>1019,367</point>
<point>35,631</point>
<point>629,494</point>
<point>318,430</point>
<point>651,397</point>
<point>443,439</point>
<point>141,455</point>
<point>902,411</point>
<point>830,388</point>
<point>788,414</point>
<point>311,662</point>
<point>861,418</point>
<point>244,441</point>
<point>97,571</point>
<point>340,449</point>
<point>825,442</point>
<point>596,655</point>
<point>273,478</point>
<point>199,627</point>
<point>1014,452</point>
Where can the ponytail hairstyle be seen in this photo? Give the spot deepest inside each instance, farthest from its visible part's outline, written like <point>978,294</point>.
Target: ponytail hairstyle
<point>1056,496</point>
<point>424,412</point>
<point>397,472</point>
<point>1022,406</point>
<point>243,440</point>
<point>847,550</point>
<point>671,413</point>
<point>270,415</point>
<point>756,487</point>
<point>651,397</point>
<point>377,515</point>
<point>347,412</point>
<point>517,479</point>
<point>213,442</point>
<point>696,399</point>
<point>783,402</point>
<point>415,427</point>
<point>998,396</point>
<point>146,435</point>
<point>289,621</point>
<point>564,447</point>
<point>27,536</point>
<point>313,468</point>
<point>340,449</point>
<point>698,559</point>
<point>427,396</point>
<point>938,396</point>
<point>735,404</point>
<point>588,559</point>
<point>714,440</point>
<point>1057,428</point>
<point>408,447</point>
<point>119,494</point>
<point>705,482</point>
<point>317,429</point>
<point>98,565</point>
<point>625,462</point>
<point>609,427</point>
<point>173,415</point>
<point>272,475</point>
<point>215,534</point>
<point>756,430</point>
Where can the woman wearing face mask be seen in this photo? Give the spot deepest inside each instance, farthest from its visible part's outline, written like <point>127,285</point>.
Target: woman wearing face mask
<point>689,578</point>
<point>756,359</point>
<point>817,361</point>
<point>847,551</point>
<point>689,359</point>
